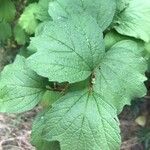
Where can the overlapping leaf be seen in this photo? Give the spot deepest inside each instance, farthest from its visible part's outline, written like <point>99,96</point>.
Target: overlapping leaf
<point>72,50</point>
<point>86,119</point>
<point>81,121</point>
<point>20,88</point>
<point>112,37</point>
<point>102,10</point>
<point>69,50</point>
<point>120,76</point>
<point>134,19</point>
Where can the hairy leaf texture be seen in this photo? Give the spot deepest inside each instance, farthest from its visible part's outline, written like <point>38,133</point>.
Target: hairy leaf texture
<point>20,88</point>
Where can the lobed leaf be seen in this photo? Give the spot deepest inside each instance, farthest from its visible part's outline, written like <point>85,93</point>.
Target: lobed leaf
<point>86,118</point>
<point>81,121</point>
<point>21,88</point>
<point>112,37</point>
<point>68,50</point>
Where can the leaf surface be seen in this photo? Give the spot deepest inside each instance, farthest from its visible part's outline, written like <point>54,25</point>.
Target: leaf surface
<point>86,118</point>
<point>121,75</point>
<point>28,19</point>
<point>81,121</point>
<point>102,10</point>
<point>113,37</point>
<point>68,50</point>
<point>134,19</point>
<point>21,89</point>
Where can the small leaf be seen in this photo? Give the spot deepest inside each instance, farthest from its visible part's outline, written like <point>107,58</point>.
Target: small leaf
<point>81,121</point>
<point>134,19</point>
<point>7,10</point>
<point>28,20</point>
<point>42,14</point>
<point>68,50</point>
<point>102,10</point>
<point>21,88</point>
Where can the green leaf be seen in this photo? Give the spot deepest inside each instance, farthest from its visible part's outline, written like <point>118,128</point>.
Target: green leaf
<point>20,35</point>
<point>70,54</point>
<point>121,74</point>
<point>21,88</point>
<point>134,20</point>
<point>112,37</point>
<point>42,14</point>
<point>28,19</point>
<point>7,10</point>
<point>147,47</point>
<point>5,30</point>
<point>102,10</point>
<point>81,121</point>
<point>49,98</point>
<point>37,140</point>
<point>39,30</point>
